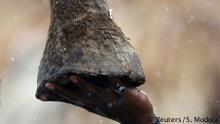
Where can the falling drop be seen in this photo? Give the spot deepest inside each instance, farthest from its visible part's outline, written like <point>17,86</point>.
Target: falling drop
<point>110,12</point>
<point>12,59</point>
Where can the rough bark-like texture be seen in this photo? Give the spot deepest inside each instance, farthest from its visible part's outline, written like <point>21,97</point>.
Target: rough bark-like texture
<point>84,40</point>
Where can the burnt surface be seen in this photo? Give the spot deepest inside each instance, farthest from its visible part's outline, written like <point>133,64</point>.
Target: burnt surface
<point>84,40</point>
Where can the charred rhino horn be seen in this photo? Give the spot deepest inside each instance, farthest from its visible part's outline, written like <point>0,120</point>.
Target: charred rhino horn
<point>84,40</point>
